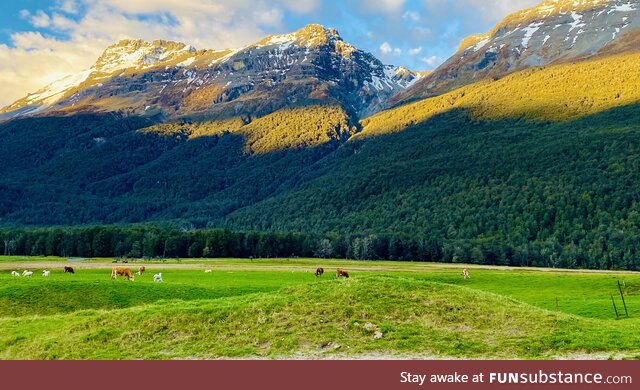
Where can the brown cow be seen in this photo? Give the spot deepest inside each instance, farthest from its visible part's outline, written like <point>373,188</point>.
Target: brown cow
<point>126,272</point>
<point>319,271</point>
<point>69,269</point>
<point>141,270</point>
<point>465,273</point>
<point>341,272</point>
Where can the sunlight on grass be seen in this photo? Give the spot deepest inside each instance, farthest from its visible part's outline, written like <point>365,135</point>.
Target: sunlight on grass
<point>411,308</point>
<point>554,93</point>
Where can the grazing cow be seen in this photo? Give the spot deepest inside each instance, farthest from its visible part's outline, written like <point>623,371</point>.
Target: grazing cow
<point>15,273</point>
<point>126,272</point>
<point>141,270</point>
<point>319,271</point>
<point>341,272</point>
<point>69,270</point>
<point>27,273</point>
<point>465,273</point>
<point>45,273</point>
<point>207,271</point>
<point>157,278</point>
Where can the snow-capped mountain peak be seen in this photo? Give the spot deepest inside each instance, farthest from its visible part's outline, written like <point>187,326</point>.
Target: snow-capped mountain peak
<point>172,78</point>
<point>550,32</point>
<point>137,53</point>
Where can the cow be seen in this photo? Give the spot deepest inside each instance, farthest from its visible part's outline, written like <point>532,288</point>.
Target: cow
<point>126,272</point>
<point>157,277</point>
<point>341,272</point>
<point>207,271</point>
<point>319,271</point>
<point>45,273</point>
<point>141,270</point>
<point>69,270</point>
<point>465,273</point>
<point>15,273</point>
<point>27,273</point>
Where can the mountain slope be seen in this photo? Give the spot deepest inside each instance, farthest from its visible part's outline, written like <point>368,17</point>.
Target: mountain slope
<point>470,178</point>
<point>551,32</point>
<point>491,172</point>
<point>538,167</point>
<point>313,65</point>
<point>554,93</point>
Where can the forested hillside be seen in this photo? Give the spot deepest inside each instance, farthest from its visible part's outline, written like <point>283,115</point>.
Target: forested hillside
<point>539,168</point>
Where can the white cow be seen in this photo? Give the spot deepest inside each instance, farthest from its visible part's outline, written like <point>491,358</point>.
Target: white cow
<point>206,271</point>
<point>157,278</point>
<point>15,273</point>
<point>27,273</point>
<point>45,273</point>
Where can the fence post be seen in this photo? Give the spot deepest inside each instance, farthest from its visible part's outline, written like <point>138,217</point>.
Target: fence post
<point>623,302</point>
<point>614,306</point>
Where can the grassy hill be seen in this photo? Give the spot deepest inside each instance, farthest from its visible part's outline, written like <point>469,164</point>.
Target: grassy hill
<point>283,313</point>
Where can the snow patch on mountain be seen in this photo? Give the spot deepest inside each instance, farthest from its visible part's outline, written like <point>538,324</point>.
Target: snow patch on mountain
<point>314,63</point>
<point>529,31</point>
<point>54,91</point>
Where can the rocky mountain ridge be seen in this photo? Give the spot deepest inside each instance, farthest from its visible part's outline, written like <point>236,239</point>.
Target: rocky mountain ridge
<point>174,80</point>
<point>551,32</point>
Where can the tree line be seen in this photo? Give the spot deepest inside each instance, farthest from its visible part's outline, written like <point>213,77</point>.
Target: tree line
<point>165,242</point>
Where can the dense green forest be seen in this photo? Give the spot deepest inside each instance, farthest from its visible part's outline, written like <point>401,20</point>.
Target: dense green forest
<point>150,242</point>
<point>139,241</point>
<point>563,194</point>
<point>518,192</point>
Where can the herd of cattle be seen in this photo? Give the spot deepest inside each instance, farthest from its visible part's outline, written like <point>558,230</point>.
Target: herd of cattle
<point>340,273</point>
<point>45,273</point>
<point>28,274</point>
<point>115,272</point>
<point>127,274</point>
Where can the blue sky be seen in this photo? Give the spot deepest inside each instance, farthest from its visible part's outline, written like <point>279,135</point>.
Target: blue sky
<point>43,40</point>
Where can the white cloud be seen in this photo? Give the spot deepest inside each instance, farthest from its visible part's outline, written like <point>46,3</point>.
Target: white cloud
<point>415,51</point>
<point>386,49</point>
<point>40,19</point>
<point>432,61</point>
<point>494,10</point>
<point>390,6</point>
<point>38,61</point>
<point>411,15</point>
<point>68,6</point>
<point>490,11</point>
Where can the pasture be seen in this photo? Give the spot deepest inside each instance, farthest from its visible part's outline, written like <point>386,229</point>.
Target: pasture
<point>278,308</point>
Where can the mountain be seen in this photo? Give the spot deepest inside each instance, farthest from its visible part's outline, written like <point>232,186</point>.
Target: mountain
<point>554,31</point>
<point>173,80</point>
<point>537,167</point>
<point>548,179</point>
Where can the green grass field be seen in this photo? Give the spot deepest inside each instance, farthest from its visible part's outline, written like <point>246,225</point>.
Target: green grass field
<point>279,309</point>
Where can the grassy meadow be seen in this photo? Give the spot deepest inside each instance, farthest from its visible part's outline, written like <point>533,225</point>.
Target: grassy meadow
<point>277,308</point>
